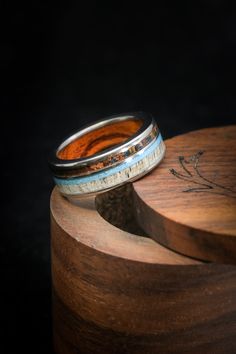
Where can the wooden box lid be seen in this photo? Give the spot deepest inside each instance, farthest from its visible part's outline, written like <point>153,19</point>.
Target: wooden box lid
<point>188,203</point>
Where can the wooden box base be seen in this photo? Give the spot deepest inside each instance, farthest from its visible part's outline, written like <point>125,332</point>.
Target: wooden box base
<point>115,291</point>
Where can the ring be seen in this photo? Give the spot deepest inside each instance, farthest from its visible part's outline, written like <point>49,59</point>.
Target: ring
<point>106,154</point>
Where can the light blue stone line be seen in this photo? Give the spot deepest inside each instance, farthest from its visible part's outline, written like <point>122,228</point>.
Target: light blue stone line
<point>99,175</point>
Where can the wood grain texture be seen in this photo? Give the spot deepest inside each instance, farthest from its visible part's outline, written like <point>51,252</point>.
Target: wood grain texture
<point>188,203</point>
<point>100,139</point>
<point>116,292</point>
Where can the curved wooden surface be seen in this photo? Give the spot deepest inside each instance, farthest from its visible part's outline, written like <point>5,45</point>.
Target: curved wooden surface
<point>188,203</point>
<point>117,292</point>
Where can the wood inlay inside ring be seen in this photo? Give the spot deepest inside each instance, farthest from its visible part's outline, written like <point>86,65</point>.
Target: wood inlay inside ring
<point>100,139</point>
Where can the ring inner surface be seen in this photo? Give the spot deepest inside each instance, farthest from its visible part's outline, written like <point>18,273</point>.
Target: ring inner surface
<point>100,139</point>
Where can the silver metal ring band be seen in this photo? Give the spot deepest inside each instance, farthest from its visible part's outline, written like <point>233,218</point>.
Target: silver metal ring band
<point>107,154</point>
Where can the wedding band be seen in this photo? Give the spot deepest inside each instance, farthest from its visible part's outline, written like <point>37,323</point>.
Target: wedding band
<point>106,154</point>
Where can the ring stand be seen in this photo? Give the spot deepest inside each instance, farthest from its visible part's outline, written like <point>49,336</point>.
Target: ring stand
<point>116,290</point>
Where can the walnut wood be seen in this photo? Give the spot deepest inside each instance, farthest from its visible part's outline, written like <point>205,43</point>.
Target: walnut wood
<point>117,292</point>
<point>189,205</point>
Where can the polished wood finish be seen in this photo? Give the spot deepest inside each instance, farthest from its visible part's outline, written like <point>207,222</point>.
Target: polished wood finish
<point>188,203</point>
<point>119,292</point>
<point>99,139</point>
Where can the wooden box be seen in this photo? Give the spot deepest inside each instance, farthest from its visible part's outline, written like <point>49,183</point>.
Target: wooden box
<point>151,267</point>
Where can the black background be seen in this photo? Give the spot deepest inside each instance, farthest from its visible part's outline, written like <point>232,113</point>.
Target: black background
<point>66,66</point>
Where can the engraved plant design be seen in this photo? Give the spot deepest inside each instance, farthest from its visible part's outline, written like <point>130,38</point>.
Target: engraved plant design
<point>191,174</point>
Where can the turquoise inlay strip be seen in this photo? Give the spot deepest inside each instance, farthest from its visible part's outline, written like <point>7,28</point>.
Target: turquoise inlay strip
<point>112,170</point>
